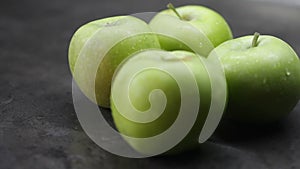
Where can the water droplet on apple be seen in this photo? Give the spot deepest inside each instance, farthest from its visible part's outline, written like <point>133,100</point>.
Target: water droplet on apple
<point>265,81</point>
<point>200,44</point>
<point>287,72</point>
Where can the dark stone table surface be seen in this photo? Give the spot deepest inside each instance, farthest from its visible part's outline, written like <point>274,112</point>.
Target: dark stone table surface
<point>38,125</point>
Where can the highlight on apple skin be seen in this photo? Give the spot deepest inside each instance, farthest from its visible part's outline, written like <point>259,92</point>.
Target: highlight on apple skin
<point>98,47</point>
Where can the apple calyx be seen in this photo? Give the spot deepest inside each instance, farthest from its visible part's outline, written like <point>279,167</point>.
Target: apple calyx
<point>255,39</point>
<point>171,6</point>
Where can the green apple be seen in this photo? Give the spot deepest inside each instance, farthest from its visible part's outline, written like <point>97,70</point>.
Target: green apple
<point>98,47</point>
<point>193,28</point>
<point>135,89</point>
<point>263,77</point>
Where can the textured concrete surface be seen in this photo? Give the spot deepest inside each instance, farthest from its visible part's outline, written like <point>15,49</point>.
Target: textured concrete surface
<point>38,125</point>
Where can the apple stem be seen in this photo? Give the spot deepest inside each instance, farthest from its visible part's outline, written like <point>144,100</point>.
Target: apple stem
<point>255,39</point>
<point>171,6</point>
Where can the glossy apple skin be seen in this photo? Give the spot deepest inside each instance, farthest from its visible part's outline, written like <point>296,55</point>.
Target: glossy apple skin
<point>140,88</point>
<point>263,81</point>
<point>83,34</point>
<point>211,27</point>
<point>116,28</point>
